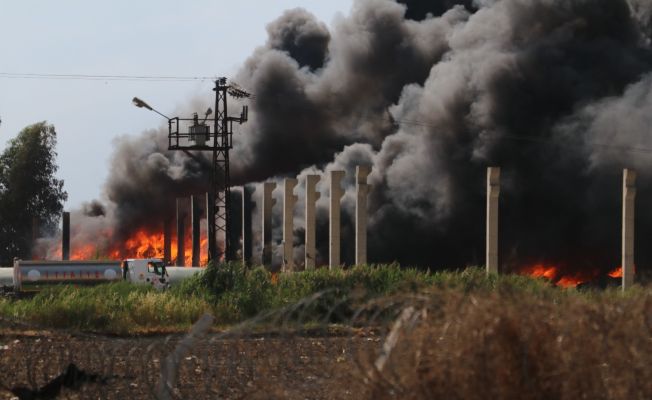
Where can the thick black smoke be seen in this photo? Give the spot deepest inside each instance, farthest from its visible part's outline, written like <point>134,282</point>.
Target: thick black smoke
<point>94,209</point>
<point>509,83</point>
<point>372,55</point>
<point>420,10</point>
<point>301,36</point>
<point>430,93</point>
<point>146,178</point>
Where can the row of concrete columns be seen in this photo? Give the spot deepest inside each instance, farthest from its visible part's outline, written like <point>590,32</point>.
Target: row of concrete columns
<point>196,213</point>
<point>196,204</point>
<point>311,197</point>
<point>628,218</point>
<point>245,205</point>
<point>336,191</point>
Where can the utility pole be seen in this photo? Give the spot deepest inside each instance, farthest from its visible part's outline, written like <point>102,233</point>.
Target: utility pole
<point>198,136</point>
<point>220,215</point>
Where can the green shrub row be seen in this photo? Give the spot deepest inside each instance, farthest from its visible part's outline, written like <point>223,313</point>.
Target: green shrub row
<point>233,294</point>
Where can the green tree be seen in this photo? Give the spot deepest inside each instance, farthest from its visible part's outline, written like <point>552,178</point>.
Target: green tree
<point>28,188</point>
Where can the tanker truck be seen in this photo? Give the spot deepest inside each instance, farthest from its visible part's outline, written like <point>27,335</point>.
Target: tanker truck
<point>32,276</point>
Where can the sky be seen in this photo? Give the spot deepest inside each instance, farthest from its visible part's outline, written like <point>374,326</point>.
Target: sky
<point>201,38</point>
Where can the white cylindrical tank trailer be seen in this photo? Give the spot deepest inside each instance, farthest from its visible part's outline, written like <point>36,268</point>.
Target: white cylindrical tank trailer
<point>26,276</point>
<point>33,275</point>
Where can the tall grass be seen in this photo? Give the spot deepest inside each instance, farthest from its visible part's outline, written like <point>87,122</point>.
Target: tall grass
<point>112,308</point>
<point>507,344</point>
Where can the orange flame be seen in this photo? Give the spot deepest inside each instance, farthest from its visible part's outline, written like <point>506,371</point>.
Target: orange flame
<point>105,244</point>
<point>85,252</point>
<point>141,244</point>
<point>616,273</point>
<point>555,275</point>
<point>541,271</point>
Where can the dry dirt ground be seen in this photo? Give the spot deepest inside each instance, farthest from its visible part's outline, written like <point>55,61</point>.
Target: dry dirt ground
<point>41,364</point>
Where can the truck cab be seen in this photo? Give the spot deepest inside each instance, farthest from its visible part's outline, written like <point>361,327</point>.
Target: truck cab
<point>151,271</point>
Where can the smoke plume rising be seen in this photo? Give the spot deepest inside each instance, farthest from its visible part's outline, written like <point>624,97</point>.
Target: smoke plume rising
<point>430,93</point>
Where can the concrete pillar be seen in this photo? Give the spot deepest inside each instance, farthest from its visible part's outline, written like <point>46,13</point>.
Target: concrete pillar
<point>35,229</point>
<point>167,241</point>
<point>235,224</point>
<point>629,198</point>
<point>311,199</point>
<point>181,234</point>
<point>196,211</point>
<point>268,203</point>
<point>493,193</point>
<point>289,201</point>
<point>334,225</point>
<point>247,227</point>
<point>362,191</point>
<point>213,253</point>
<point>65,237</point>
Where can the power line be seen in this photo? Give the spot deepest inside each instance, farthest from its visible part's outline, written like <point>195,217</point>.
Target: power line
<point>148,78</point>
<point>118,78</point>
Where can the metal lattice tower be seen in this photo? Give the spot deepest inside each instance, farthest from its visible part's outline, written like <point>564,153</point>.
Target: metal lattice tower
<point>199,138</point>
<point>220,176</point>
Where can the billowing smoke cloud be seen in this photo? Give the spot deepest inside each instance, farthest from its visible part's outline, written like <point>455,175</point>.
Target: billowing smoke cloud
<point>430,93</point>
<point>139,196</point>
<point>305,39</point>
<point>420,10</point>
<point>371,56</point>
<point>145,176</point>
<point>438,92</point>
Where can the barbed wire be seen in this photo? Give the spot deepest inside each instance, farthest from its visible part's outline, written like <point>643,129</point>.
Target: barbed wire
<point>244,361</point>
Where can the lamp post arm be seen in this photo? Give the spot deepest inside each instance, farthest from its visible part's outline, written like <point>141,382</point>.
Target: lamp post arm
<point>161,114</point>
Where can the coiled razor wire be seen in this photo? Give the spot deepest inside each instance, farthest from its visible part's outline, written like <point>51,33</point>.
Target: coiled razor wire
<point>293,352</point>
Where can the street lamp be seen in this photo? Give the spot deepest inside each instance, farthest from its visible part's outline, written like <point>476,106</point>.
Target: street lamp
<point>141,104</point>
